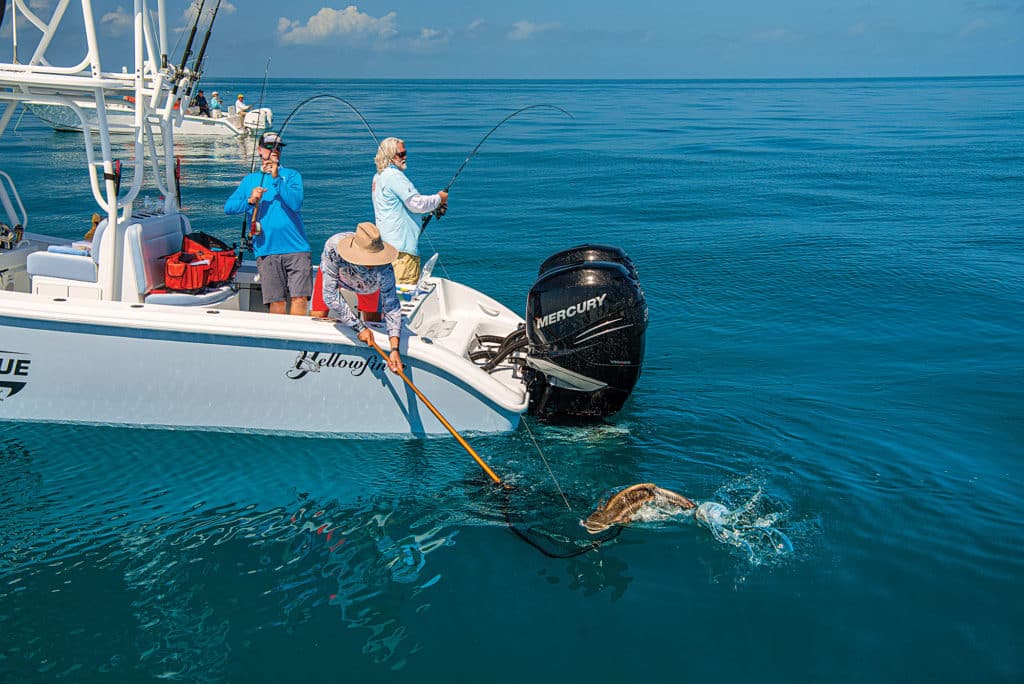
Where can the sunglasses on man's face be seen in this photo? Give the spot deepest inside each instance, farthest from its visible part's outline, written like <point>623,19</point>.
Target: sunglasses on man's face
<point>400,155</point>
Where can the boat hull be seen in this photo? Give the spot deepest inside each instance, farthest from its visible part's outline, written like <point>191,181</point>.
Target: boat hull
<point>121,120</point>
<point>168,376</point>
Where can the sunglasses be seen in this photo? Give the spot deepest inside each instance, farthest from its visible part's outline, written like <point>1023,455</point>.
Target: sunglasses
<point>401,155</point>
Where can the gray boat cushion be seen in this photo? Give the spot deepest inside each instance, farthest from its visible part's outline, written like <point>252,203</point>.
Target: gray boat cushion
<point>61,264</point>
<point>207,298</point>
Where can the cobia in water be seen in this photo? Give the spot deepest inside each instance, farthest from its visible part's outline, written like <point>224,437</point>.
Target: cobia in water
<point>621,508</point>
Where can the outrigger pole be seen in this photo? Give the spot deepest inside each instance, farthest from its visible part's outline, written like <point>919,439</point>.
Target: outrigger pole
<point>197,66</point>
<point>191,37</point>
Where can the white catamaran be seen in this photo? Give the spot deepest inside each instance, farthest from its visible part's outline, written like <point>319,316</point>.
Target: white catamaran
<point>89,334</point>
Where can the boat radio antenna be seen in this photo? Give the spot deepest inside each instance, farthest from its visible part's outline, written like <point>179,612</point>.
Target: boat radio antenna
<point>426,219</point>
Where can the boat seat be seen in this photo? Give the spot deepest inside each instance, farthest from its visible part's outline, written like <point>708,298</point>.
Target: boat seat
<point>147,244</point>
<point>59,263</point>
<point>209,297</point>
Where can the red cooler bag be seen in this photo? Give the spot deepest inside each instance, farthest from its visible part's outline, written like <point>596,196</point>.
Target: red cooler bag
<point>184,273</point>
<point>224,260</point>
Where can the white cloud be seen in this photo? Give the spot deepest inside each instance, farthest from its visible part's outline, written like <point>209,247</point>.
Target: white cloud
<point>475,24</point>
<point>973,27</point>
<point>330,23</point>
<point>430,39</point>
<point>118,21</point>
<point>522,30</point>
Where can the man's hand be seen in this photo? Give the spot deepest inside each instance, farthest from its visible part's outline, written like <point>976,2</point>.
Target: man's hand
<point>271,165</point>
<point>366,336</point>
<point>395,362</point>
<point>256,195</point>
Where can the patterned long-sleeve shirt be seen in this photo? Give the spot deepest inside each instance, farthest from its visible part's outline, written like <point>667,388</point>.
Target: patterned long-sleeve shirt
<point>338,274</point>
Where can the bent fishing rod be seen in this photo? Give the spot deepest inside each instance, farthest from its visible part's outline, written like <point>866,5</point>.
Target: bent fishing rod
<point>254,226</point>
<point>437,212</point>
<point>247,236</point>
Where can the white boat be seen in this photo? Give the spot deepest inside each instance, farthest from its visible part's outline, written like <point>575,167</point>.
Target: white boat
<point>89,336</point>
<point>121,119</point>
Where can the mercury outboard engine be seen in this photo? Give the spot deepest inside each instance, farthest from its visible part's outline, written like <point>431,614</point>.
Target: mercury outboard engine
<point>586,317</point>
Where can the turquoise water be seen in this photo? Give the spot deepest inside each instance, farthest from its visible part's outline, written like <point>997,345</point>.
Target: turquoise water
<point>835,275</point>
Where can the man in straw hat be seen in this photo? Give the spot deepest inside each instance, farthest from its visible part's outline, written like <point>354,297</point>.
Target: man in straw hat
<point>361,262</point>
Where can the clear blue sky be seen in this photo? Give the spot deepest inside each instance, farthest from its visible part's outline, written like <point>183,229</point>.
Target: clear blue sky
<point>603,38</point>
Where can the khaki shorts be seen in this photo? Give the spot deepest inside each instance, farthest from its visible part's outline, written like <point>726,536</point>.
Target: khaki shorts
<point>407,269</point>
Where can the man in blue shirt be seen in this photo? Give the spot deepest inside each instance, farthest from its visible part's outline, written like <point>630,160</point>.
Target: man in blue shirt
<point>279,240</point>
<point>397,206</point>
<point>360,262</point>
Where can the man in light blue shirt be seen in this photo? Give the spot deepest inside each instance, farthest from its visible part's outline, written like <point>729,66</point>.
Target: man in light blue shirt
<point>397,206</point>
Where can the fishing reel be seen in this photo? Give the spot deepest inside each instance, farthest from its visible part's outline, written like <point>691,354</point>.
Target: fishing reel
<point>10,237</point>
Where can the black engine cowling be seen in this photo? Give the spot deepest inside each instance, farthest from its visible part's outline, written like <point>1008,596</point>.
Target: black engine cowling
<point>586,318</point>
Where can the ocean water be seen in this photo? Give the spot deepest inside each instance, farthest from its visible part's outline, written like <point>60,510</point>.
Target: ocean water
<point>835,276</point>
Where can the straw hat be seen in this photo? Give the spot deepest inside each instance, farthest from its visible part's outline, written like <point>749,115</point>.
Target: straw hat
<point>366,248</point>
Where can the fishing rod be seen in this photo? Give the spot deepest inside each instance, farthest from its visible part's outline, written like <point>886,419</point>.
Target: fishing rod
<point>247,235</point>
<point>197,66</point>
<point>191,37</point>
<point>254,227</point>
<point>332,97</point>
<point>437,212</point>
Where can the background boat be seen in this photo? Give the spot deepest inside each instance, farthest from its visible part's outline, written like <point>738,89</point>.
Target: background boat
<point>121,119</point>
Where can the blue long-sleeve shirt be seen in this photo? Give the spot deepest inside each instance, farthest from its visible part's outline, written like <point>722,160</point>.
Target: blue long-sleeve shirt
<point>339,273</point>
<point>280,211</point>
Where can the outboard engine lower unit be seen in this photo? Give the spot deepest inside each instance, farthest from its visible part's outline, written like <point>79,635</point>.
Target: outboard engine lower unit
<point>586,317</point>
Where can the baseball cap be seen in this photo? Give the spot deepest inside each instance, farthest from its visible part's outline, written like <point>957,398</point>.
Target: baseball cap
<point>271,140</point>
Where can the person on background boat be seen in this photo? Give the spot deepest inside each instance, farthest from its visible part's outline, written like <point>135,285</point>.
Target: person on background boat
<point>201,103</point>
<point>397,206</point>
<point>216,106</point>
<point>241,108</point>
<point>361,262</point>
<point>282,251</point>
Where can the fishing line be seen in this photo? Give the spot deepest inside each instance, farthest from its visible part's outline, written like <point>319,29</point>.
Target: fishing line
<point>547,465</point>
<point>426,219</point>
